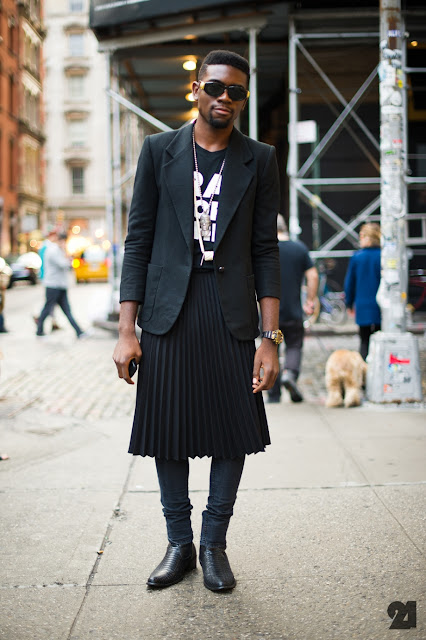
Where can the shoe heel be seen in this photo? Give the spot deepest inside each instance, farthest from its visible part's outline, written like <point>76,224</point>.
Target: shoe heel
<point>192,563</point>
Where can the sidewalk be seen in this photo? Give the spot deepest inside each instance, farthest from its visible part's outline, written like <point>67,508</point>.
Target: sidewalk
<point>329,526</point>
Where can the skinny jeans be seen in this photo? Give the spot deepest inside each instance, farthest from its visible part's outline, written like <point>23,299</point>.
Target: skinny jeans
<point>56,297</point>
<point>225,476</point>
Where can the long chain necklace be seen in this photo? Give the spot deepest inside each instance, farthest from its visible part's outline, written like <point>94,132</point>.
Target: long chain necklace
<point>202,208</point>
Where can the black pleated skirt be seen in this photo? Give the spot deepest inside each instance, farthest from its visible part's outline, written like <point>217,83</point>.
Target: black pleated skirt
<point>194,393</point>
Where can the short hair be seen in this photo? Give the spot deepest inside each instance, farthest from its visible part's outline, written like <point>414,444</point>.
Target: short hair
<point>372,231</point>
<point>221,56</point>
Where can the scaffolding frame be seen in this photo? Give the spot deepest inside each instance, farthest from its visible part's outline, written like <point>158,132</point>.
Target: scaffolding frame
<point>303,188</point>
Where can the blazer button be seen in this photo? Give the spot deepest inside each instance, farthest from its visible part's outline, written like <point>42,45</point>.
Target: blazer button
<point>221,269</point>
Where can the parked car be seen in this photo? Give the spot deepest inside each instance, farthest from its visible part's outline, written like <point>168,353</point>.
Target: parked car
<point>5,274</point>
<point>92,264</point>
<point>25,267</point>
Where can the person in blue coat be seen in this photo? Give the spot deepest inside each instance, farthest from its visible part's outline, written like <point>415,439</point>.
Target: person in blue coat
<point>362,282</point>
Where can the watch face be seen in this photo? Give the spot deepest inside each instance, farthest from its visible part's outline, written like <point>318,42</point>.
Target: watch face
<point>277,336</point>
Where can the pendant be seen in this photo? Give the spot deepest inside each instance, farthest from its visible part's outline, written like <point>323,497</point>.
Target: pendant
<point>205,226</point>
<point>204,219</point>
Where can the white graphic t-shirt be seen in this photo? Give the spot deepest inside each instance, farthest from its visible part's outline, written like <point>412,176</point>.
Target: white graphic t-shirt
<point>209,163</point>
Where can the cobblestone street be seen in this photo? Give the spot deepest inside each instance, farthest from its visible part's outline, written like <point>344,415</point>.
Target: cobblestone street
<point>78,378</point>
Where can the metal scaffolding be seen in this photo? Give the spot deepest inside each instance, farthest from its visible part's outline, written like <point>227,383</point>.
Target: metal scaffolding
<point>305,188</point>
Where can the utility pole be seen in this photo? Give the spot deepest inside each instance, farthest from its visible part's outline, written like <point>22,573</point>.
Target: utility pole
<point>393,360</point>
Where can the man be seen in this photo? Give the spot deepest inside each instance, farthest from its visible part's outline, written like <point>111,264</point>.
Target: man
<point>201,244</point>
<point>51,237</point>
<point>295,266</point>
<point>55,278</point>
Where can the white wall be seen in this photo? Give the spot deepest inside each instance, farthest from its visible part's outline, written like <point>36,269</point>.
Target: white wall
<point>56,57</point>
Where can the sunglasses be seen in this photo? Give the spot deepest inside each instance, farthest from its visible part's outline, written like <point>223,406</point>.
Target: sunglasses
<point>214,88</point>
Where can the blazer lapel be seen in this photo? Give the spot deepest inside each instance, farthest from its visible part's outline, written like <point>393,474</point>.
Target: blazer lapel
<point>179,181</point>
<point>235,181</point>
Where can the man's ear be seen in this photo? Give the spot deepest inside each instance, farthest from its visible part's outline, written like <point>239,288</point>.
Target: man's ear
<point>195,89</point>
<point>244,105</point>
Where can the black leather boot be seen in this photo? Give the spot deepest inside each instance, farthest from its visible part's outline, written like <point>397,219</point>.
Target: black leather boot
<point>179,559</point>
<point>218,574</point>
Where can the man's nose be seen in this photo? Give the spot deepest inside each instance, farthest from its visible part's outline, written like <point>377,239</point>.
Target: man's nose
<point>225,95</point>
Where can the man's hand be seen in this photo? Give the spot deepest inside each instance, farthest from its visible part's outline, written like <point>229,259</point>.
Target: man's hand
<point>265,359</point>
<point>309,307</point>
<point>128,346</point>
<point>126,349</point>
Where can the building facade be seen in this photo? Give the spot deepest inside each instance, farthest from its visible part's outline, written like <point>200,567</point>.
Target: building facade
<point>75,121</point>
<point>9,72</point>
<point>31,174</point>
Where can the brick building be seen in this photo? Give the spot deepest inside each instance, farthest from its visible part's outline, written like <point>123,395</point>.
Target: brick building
<point>31,178</point>
<point>9,73</point>
<point>21,125</point>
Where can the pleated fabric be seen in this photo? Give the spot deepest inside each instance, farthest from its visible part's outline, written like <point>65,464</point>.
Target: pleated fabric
<point>194,393</point>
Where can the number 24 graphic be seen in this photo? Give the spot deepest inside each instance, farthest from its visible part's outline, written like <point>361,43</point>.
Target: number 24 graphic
<point>406,616</point>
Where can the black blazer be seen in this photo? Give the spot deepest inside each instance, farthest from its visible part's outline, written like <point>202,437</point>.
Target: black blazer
<point>159,245</point>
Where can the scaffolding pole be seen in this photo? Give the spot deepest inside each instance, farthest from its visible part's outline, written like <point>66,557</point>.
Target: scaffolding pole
<point>253,119</point>
<point>113,305</point>
<point>293,155</point>
<point>393,359</point>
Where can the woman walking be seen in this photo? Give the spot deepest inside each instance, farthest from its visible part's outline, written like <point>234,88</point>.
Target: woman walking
<point>362,282</point>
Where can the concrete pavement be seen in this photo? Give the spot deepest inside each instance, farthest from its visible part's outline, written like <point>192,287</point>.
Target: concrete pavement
<point>329,526</point>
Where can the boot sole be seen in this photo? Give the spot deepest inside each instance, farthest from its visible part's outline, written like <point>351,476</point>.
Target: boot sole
<point>221,588</point>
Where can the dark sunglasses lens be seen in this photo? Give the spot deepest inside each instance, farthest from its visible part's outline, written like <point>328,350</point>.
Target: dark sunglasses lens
<point>237,93</point>
<point>215,89</point>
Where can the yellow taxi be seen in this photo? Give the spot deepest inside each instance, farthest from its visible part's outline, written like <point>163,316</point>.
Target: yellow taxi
<point>91,264</point>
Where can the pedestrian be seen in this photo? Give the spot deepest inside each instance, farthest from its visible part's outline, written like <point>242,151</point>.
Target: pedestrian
<point>201,244</point>
<point>56,275</point>
<point>362,282</point>
<point>52,234</point>
<point>296,266</point>
<point>2,296</point>
<point>4,281</point>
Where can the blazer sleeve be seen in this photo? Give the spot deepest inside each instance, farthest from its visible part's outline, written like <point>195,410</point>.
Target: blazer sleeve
<point>265,254</point>
<point>350,283</point>
<point>141,227</point>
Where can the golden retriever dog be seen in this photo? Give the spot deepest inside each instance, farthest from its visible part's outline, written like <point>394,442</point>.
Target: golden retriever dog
<point>345,374</point>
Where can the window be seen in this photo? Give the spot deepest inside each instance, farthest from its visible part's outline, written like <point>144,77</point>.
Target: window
<point>77,133</point>
<point>12,34</point>
<point>11,163</point>
<point>76,87</point>
<point>11,93</point>
<point>76,44</point>
<point>76,5</point>
<point>77,177</point>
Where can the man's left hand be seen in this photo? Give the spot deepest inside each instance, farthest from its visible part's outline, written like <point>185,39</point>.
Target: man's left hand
<point>309,307</point>
<point>266,360</point>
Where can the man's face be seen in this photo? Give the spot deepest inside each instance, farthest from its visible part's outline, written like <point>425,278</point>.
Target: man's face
<point>220,112</point>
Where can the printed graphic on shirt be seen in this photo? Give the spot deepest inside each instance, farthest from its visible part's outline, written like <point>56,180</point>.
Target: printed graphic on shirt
<point>214,185</point>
